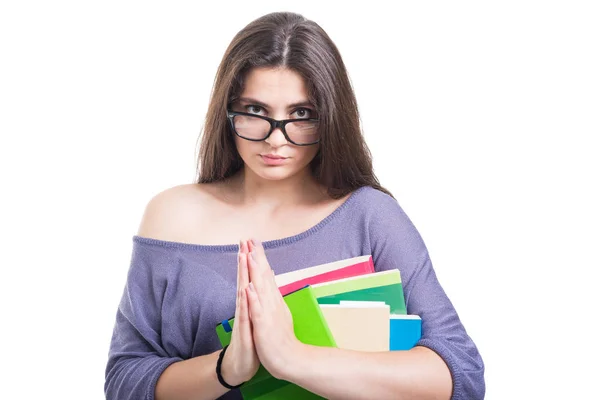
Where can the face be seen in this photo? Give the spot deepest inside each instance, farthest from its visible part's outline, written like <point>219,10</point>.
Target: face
<point>279,94</point>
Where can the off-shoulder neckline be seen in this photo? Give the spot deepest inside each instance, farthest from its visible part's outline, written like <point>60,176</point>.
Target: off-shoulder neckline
<point>270,244</point>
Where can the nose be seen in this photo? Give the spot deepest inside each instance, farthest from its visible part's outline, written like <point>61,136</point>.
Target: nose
<point>277,138</point>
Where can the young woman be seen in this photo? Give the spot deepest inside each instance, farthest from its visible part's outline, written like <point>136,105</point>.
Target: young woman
<point>282,160</point>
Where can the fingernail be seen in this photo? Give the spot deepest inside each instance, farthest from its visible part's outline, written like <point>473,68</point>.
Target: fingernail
<point>251,286</point>
<point>252,256</point>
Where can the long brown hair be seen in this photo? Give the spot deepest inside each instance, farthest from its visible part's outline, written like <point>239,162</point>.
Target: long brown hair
<point>283,39</point>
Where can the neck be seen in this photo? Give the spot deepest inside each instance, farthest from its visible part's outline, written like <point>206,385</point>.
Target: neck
<point>257,192</point>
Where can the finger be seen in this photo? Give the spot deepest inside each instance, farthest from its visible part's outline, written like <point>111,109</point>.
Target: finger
<point>263,262</point>
<point>260,256</point>
<point>241,269</point>
<point>244,278</point>
<point>243,247</point>
<point>244,319</point>
<point>266,288</point>
<point>242,275</point>
<point>254,305</point>
<point>256,275</point>
<point>241,310</point>
<point>237,284</point>
<point>238,301</point>
<point>248,333</point>
<point>260,251</point>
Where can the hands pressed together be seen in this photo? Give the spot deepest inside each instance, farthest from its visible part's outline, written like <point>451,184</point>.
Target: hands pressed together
<point>263,331</point>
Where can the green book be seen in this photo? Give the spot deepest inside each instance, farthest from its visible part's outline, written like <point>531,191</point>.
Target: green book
<point>310,327</point>
<point>379,286</point>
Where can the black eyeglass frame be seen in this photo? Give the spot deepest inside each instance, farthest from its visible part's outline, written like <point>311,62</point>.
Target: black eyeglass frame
<point>274,124</point>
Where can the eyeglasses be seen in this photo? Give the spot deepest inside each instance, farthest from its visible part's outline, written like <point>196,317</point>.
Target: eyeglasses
<point>301,132</point>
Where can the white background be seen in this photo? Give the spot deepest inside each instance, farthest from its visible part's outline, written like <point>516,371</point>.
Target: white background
<point>482,119</point>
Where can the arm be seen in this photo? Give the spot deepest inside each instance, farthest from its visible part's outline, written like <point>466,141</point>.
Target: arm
<point>332,372</point>
<point>395,243</point>
<point>193,379</point>
<point>185,379</point>
<point>444,333</point>
<point>138,370</point>
<point>445,361</point>
<point>346,374</point>
<point>139,365</point>
<point>136,356</point>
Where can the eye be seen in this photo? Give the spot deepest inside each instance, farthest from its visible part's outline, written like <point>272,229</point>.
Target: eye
<point>303,113</point>
<point>253,109</point>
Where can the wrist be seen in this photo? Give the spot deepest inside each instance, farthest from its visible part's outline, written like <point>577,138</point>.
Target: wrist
<point>290,361</point>
<point>227,370</point>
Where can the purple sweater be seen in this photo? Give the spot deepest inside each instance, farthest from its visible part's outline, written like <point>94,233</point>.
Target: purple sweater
<point>176,293</point>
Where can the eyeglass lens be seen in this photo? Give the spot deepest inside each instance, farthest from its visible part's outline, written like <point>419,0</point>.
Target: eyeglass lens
<point>257,128</point>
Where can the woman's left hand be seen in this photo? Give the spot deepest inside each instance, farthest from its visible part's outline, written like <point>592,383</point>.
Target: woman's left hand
<point>273,327</point>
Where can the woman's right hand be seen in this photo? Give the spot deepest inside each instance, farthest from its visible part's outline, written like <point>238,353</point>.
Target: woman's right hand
<point>241,362</point>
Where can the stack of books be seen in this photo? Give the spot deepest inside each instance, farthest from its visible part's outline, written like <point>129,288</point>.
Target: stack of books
<point>344,304</point>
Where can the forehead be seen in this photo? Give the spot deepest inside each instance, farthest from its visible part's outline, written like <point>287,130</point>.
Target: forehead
<point>278,86</point>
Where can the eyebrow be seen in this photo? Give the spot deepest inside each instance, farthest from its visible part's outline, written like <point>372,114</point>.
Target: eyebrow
<point>260,103</point>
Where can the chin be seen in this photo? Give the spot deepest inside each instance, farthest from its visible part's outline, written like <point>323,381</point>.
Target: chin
<point>274,174</point>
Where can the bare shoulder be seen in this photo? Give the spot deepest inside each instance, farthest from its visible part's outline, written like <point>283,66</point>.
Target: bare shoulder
<point>170,214</point>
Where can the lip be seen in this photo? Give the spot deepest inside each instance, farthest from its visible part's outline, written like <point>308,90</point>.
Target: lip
<point>273,161</point>
<point>273,156</point>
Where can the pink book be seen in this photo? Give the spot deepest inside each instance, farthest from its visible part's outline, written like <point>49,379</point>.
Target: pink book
<point>347,268</point>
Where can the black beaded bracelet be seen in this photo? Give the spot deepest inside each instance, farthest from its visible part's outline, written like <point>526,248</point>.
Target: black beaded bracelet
<point>219,376</point>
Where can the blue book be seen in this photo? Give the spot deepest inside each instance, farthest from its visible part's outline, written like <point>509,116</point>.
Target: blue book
<point>405,331</point>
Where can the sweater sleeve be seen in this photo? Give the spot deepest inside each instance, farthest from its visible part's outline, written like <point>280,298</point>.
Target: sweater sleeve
<point>136,355</point>
<point>396,244</point>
